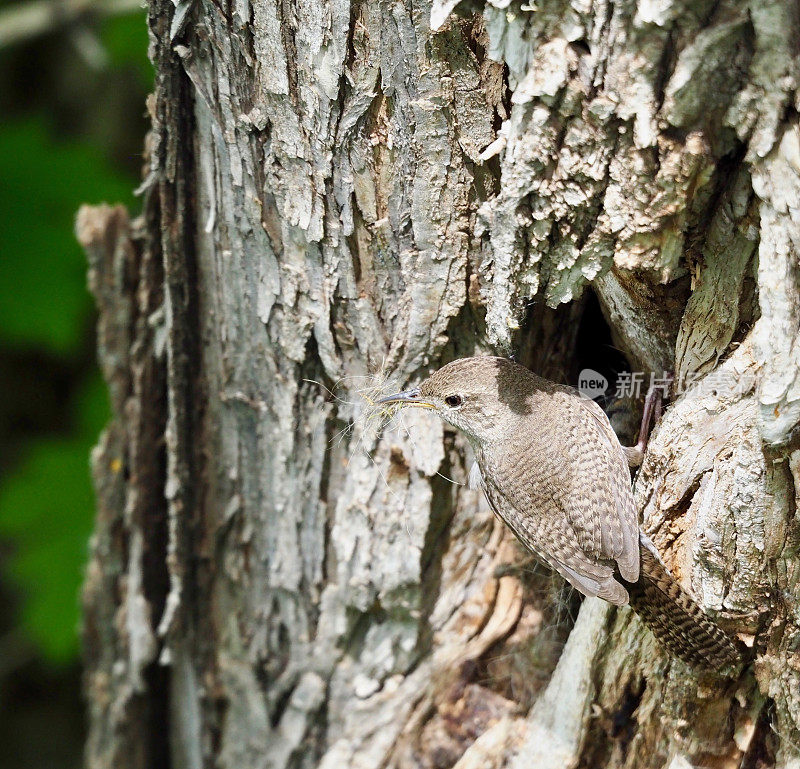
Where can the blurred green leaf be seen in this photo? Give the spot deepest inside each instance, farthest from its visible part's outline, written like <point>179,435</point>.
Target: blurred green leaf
<point>125,39</point>
<point>46,511</point>
<point>92,409</point>
<point>45,302</point>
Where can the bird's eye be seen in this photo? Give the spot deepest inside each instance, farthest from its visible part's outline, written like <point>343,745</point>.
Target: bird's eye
<point>454,401</point>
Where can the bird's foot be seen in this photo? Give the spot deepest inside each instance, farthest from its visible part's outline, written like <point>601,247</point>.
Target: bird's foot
<point>650,415</point>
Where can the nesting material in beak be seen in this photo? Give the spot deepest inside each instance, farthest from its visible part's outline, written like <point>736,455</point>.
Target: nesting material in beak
<point>405,398</point>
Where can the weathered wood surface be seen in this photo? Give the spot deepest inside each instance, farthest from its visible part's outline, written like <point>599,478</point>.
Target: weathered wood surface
<point>335,189</point>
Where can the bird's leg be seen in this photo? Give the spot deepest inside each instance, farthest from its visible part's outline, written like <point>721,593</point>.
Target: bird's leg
<point>650,415</point>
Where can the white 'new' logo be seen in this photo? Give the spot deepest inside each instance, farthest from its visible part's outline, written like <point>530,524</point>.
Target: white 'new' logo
<point>592,383</point>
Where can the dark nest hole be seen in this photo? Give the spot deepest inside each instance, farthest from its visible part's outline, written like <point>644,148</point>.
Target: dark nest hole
<point>562,343</point>
<point>595,349</point>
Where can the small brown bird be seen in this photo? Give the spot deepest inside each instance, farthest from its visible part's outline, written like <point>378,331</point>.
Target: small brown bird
<point>554,471</point>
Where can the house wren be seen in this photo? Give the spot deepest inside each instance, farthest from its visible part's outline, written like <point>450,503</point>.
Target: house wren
<point>554,471</point>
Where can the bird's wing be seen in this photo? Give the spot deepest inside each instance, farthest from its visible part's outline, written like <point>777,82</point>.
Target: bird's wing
<point>608,494</point>
<point>564,489</point>
<point>538,522</point>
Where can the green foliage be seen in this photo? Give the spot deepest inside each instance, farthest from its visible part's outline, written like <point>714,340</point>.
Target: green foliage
<point>46,497</point>
<point>46,511</point>
<point>125,40</point>
<point>46,503</point>
<point>43,270</point>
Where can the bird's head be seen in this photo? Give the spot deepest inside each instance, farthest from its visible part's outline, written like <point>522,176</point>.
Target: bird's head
<point>475,395</point>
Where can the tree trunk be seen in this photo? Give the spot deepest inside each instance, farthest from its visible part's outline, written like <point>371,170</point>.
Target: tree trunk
<point>334,192</point>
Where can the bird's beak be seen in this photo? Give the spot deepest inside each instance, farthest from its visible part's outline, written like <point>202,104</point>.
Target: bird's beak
<point>406,398</point>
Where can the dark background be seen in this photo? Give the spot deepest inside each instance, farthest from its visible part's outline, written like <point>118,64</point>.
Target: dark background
<point>73,82</point>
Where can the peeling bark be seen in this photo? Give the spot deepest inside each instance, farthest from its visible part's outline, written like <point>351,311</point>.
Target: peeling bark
<point>336,191</point>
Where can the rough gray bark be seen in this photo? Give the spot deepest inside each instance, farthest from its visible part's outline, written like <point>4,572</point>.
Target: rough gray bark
<point>335,189</point>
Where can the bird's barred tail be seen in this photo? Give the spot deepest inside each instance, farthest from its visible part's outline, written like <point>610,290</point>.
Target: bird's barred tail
<point>677,621</point>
